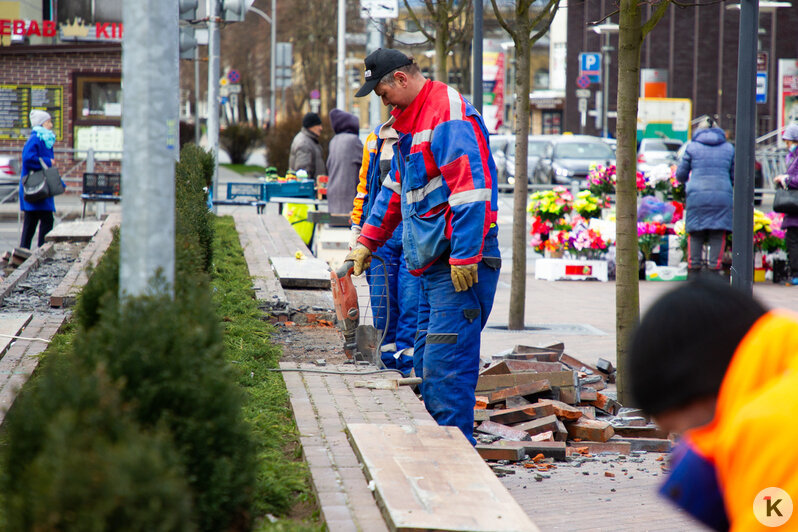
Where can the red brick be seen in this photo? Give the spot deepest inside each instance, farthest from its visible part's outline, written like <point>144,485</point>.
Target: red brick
<point>562,410</point>
<point>503,431</point>
<point>522,390</point>
<point>498,452</point>
<point>536,426</point>
<point>522,413</point>
<point>590,429</point>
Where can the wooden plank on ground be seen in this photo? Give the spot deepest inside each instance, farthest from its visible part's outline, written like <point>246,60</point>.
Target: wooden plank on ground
<point>307,272</point>
<point>10,325</point>
<point>431,478</point>
<point>496,382</point>
<point>251,234</point>
<point>79,231</point>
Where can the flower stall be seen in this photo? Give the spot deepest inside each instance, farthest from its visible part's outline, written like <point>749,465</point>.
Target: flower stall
<point>575,234</point>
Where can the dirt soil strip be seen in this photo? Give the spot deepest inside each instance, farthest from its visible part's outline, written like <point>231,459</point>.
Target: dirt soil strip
<point>22,357</point>
<point>76,278</point>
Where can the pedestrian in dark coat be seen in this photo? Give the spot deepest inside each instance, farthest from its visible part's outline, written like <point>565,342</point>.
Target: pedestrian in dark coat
<point>707,167</point>
<point>343,164</point>
<point>305,148</point>
<point>790,180</point>
<point>38,148</point>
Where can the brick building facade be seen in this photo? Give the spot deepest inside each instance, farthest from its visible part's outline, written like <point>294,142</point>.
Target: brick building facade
<point>697,46</point>
<point>71,67</point>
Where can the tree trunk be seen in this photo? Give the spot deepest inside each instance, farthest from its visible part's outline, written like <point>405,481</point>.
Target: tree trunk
<point>440,56</point>
<point>627,293</point>
<point>521,189</point>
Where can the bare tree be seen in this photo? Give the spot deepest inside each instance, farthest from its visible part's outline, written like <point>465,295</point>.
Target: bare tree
<point>632,31</point>
<point>525,28</point>
<point>450,20</point>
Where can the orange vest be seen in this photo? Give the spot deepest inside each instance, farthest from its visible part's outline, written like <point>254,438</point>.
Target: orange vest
<point>753,439</point>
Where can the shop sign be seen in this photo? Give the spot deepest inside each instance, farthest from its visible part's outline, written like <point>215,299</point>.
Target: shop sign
<point>27,28</point>
<point>77,30</point>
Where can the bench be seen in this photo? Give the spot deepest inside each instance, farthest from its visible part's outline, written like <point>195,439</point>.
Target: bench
<point>100,186</point>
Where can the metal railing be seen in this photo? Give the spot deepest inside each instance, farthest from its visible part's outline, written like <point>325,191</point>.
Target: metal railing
<point>73,173</point>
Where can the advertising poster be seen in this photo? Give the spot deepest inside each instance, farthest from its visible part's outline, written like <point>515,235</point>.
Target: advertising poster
<point>493,90</point>
<point>788,92</point>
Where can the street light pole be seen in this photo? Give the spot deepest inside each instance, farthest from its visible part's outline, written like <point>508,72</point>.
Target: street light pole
<point>273,46</point>
<point>607,30</point>
<point>214,45</point>
<point>340,97</point>
<point>742,272</point>
<point>605,104</point>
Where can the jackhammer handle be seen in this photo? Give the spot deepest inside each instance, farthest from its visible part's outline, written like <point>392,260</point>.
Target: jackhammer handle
<point>346,268</point>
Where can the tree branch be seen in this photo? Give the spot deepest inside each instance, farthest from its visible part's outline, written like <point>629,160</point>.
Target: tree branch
<point>413,16</point>
<point>502,22</point>
<point>552,7</point>
<point>655,18</point>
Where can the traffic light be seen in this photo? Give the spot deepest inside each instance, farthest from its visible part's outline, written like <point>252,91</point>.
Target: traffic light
<point>188,9</point>
<point>187,43</point>
<point>235,10</point>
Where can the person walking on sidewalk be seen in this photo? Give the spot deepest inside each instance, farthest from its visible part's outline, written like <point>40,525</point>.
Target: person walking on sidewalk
<point>707,167</point>
<point>394,301</point>
<point>343,162</point>
<point>790,180</point>
<point>442,185</point>
<point>712,363</point>
<point>39,147</point>
<point>305,148</point>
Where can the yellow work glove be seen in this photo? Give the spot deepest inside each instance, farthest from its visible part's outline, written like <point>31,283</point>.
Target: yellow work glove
<point>464,277</point>
<point>361,256</point>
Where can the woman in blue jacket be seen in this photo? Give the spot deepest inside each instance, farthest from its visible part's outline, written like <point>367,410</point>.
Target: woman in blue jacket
<point>707,167</point>
<point>39,146</point>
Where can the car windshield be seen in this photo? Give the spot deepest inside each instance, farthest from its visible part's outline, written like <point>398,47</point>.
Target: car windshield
<point>537,148</point>
<point>582,150</point>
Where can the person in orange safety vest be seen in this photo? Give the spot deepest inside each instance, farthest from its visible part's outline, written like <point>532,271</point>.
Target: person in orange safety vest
<point>710,362</point>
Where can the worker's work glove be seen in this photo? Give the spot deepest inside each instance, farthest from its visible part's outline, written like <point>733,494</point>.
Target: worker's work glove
<point>464,276</point>
<point>361,256</point>
<point>353,237</point>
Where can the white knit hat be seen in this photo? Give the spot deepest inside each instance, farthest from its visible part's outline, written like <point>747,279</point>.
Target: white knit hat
<point>38,117</point>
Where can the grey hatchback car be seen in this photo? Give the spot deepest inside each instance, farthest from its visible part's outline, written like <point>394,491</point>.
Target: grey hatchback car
<point>570,157</point>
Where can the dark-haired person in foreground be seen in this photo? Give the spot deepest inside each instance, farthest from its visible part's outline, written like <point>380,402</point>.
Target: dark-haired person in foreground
<point>712,363</point>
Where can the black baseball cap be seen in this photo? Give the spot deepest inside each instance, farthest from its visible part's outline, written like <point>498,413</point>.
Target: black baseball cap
<point>378,64</point>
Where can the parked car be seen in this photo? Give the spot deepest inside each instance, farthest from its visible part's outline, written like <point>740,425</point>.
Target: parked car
<point>654,152</point>
<point>9,168</point>
<point>537,147</point>
<point>569,157</point>
<point>498,147</point>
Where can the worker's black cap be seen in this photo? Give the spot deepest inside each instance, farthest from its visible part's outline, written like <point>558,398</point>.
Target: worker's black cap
<point>378,63</point>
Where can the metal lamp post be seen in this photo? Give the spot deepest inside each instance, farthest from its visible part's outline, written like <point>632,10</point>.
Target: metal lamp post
<point>273,44</point>
<point>606,50</point>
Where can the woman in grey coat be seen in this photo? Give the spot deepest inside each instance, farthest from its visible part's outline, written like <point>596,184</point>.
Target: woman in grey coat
<point>343,163</point>
<point>707,167</point>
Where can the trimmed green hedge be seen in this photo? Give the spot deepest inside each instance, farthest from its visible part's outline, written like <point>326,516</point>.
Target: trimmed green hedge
<point>137,422</point>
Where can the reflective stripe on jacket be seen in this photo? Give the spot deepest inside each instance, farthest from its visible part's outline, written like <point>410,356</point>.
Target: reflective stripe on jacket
<point>442,182</point>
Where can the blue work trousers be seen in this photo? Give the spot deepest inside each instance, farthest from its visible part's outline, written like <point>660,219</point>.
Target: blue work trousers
<point>450,323</point>
<point>394,302</point>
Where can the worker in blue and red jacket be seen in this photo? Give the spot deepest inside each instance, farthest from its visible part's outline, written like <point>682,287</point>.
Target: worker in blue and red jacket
<point>393,289</point>
<point>442,186</point>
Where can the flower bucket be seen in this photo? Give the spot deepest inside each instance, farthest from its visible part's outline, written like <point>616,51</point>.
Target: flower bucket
<point>665,273</point>
<point>570,270</point>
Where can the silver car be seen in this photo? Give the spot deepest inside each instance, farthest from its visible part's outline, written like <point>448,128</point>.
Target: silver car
<point>571,156</point>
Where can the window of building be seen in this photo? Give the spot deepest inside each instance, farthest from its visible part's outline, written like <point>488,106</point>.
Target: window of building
<point>552,122</point>
<point>541,78</point>
<point>98,99</point>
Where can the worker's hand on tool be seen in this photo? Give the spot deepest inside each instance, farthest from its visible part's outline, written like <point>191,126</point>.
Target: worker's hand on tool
<point>361,256</point>
<point>355,232</point>
<point>464,276</point>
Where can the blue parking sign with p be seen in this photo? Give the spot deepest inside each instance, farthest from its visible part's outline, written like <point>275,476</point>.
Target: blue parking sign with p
<point>590,66</point>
